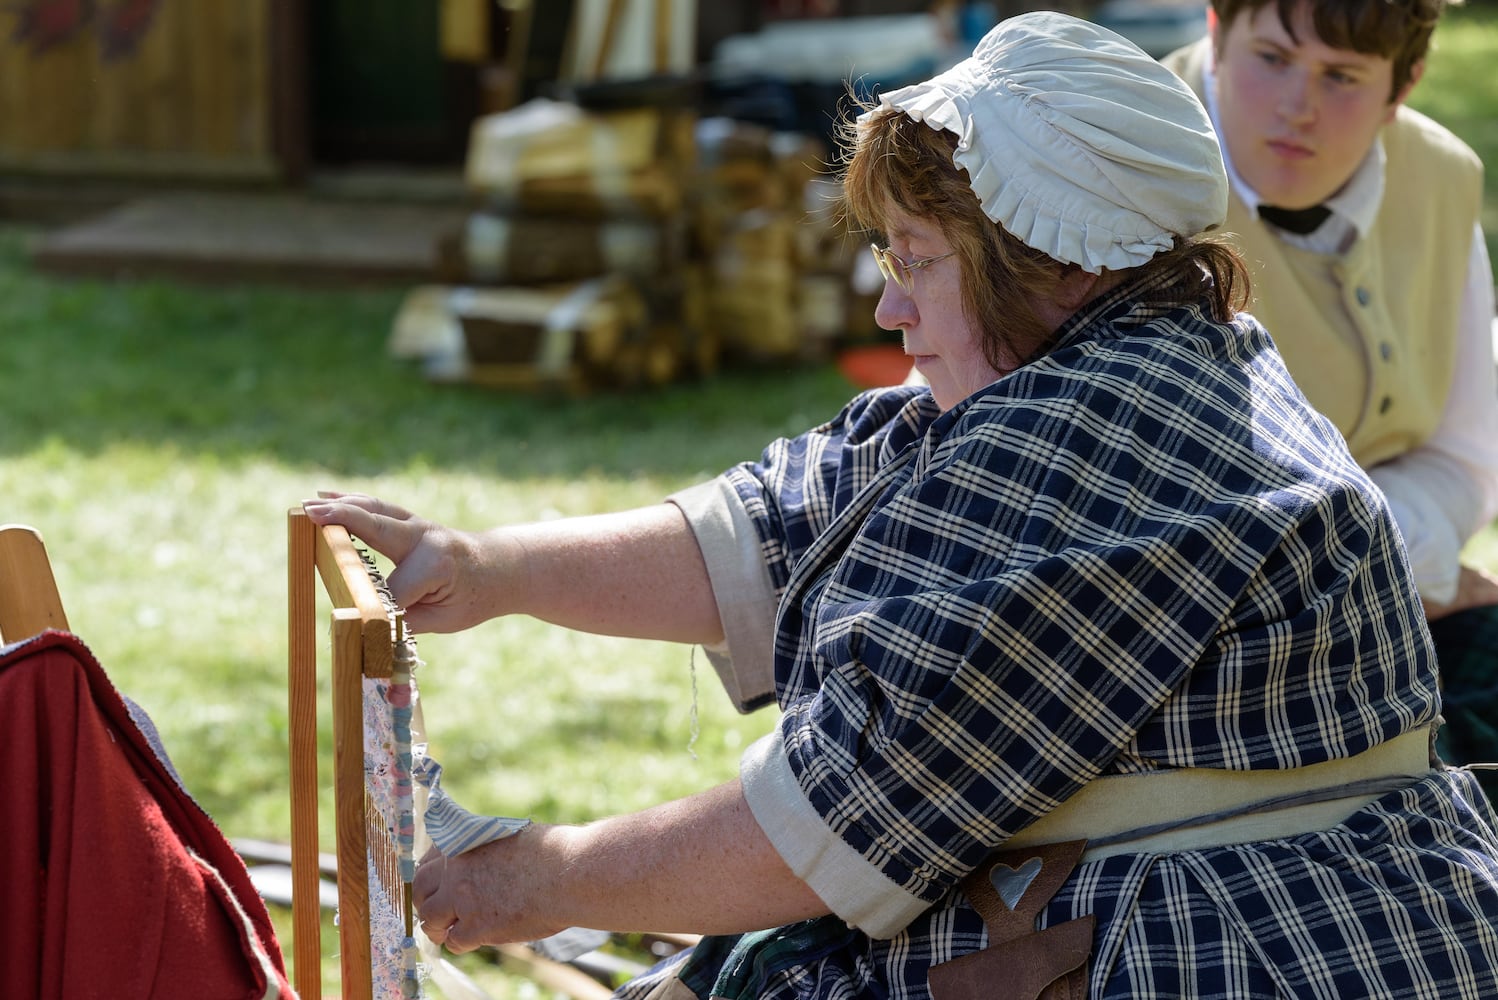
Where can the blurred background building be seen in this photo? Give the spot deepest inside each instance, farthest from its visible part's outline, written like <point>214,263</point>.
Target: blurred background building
<point>578,192</point>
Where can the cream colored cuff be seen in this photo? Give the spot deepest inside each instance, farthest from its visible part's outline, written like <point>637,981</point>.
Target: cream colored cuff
<point>741,585</point>
<point>851,887</point>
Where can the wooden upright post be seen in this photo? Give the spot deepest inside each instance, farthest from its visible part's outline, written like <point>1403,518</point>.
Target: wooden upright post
<point>306,910</point>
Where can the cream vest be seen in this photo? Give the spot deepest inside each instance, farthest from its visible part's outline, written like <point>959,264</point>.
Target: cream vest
<point>1370,335</point>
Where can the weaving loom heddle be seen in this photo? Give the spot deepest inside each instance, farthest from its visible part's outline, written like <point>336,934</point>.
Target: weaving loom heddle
<point>372,694</point>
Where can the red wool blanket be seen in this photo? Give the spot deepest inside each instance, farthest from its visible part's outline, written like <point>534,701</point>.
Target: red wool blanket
<point>116,883</point>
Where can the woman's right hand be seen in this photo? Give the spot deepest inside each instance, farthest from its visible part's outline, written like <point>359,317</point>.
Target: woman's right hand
<point>438,570</point>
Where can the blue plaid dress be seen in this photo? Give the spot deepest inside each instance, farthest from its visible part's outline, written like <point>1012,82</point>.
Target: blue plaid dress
<point>1141,551</point>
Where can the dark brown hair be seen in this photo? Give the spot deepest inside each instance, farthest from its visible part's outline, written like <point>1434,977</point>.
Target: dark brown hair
<point>1397,30</point>
<point>892,162</point>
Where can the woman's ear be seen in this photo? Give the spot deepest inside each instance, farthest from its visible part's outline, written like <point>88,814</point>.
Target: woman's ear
<point>1072,289</point>
<point>1075,287</point>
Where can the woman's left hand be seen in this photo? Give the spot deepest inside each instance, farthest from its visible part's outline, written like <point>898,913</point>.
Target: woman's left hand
<point>492,894</point>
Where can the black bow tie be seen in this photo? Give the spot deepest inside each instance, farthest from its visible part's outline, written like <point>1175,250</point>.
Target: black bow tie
<point>1295,220</point>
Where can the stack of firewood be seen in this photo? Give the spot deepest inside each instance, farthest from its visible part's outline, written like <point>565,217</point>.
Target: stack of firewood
<point>568,273</point>
<point>625,247</point>
<point>776,253</point>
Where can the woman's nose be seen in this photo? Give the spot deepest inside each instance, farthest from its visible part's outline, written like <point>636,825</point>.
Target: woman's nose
<point>895,309</point>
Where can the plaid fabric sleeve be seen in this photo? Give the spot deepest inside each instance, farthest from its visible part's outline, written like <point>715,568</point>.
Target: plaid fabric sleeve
<point>1020,592</point>
<point>799,484</point>
<point>753,522</point>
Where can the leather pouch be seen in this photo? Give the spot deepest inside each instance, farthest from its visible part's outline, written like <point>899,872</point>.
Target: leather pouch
<point>1020,963</point>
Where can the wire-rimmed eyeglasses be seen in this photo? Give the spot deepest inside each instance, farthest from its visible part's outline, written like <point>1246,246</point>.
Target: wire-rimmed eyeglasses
<point>898,271</point>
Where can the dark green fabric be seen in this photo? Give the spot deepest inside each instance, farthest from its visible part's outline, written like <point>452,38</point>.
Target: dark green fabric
<point>738,966</point>
<point>1467,650</point>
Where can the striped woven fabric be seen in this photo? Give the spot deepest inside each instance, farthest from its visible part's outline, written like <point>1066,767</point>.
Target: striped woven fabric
<point>452,828</point>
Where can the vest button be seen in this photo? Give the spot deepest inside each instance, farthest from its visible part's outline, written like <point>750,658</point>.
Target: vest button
<point>1384,404</point>
<point>1386,350</point>
<point>1364,296</point>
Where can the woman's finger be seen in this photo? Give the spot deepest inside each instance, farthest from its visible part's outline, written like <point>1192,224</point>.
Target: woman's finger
<point>372,504</point>
<point>439,932</point>
<point>430,898</point>
<point>457,940</point>
<point>387,528</point>
<point>429,872</point>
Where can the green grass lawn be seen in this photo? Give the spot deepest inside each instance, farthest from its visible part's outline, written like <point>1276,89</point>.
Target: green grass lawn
<point>156,434</point>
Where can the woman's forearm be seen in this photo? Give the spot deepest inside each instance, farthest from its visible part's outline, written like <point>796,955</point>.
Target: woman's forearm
<point>697,865</point>
<point>700,864</point>
<point>636,573</point>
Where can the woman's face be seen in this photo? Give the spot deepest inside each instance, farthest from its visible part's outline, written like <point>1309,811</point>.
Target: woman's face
<point>1298,116</point>
<point>945,345</point>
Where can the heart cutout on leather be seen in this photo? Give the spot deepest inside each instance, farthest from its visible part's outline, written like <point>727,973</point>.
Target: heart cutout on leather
<point>1011,883</point>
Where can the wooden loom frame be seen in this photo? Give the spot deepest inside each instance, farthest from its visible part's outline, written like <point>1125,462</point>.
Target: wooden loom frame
<point>363,646</point>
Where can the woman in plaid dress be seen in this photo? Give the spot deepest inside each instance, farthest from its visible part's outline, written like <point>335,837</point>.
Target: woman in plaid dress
<point>1098,663</point>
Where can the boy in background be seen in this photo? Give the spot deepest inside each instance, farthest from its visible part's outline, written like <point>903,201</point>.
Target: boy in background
<point>1360,219</point>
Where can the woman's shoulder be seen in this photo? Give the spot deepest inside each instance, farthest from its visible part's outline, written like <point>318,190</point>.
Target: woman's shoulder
<point>1137,339</point>
<point>874,412</point>
<point>1156,366</point>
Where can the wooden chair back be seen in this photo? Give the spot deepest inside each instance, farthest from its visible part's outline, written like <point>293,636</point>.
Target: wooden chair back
<point>29,600</point>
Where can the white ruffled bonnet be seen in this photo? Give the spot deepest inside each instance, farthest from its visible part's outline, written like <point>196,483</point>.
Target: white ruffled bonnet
<point>1076,141</point>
